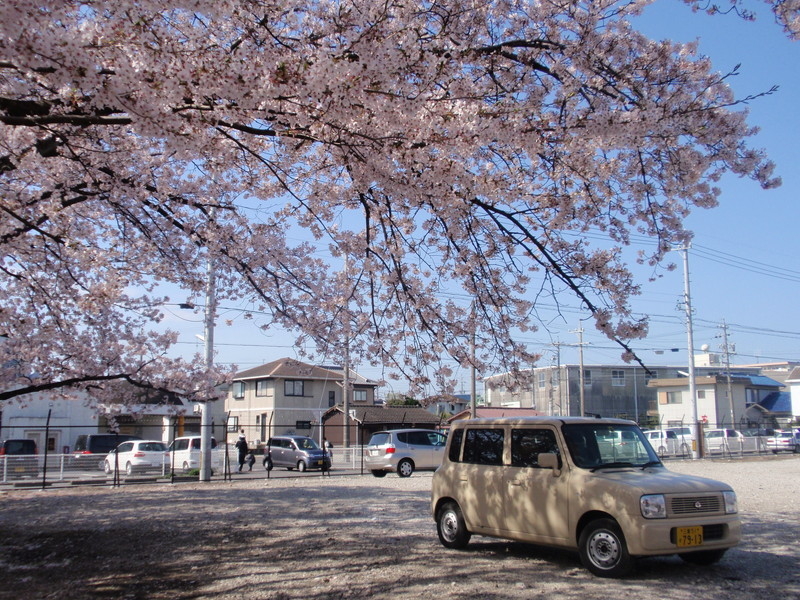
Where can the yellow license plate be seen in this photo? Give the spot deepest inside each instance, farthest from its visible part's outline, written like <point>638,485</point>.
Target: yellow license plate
<point>689,536</point>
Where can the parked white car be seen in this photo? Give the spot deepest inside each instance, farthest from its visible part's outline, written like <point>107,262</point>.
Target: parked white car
<point>185,452</point>
<point>724,440</point>
<point>667,443</point>
<point>138,455</point>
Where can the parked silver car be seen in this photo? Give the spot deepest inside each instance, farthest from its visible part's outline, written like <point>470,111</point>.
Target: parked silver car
<point>403,451</point>
<point>295,451</point>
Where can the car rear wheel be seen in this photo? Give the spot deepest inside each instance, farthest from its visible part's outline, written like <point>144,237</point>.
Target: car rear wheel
<point>662,451</point>
<point>301,465</point>
<point>703,558</point>
<point>451,527</point>
<point>186,467</point>
<point>603,549</point>
<point>685,451</point>
<point>129,469</point>
<point>378,473</point>
<point>405,468</point>
<point>107,468</point>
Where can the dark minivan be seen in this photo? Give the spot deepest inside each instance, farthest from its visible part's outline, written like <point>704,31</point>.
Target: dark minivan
<point>18,458</point>
<point>88,447</point>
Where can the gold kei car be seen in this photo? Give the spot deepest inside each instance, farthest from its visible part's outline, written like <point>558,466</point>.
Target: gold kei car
<point>593,485</point>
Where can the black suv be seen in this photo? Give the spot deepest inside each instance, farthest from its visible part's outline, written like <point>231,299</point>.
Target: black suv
<point>18,458</point>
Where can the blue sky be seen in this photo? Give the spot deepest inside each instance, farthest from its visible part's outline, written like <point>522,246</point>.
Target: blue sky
<point>743,263</point>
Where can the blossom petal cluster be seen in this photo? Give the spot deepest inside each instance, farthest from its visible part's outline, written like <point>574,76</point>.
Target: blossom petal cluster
<point>453,154</point>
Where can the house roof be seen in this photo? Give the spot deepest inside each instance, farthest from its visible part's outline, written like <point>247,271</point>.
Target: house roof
<point>496,412</point>
<point>738,378</point>
<point>290,368</point>
<point>408,415</point>
<point>777,402</point>
<point>794,374</point>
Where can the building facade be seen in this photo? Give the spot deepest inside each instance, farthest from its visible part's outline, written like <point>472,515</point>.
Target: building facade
<point>622,391</point>
<point>287,396</point>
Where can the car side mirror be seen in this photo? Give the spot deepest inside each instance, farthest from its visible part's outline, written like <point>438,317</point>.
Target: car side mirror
<point>550,460</point>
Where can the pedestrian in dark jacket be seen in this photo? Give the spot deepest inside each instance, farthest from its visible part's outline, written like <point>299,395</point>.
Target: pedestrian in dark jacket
<point>241,446</point>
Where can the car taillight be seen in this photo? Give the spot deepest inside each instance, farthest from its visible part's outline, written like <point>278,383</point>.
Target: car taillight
<point>390,450</point>
<point>139,454</point>
<point>2,451</point>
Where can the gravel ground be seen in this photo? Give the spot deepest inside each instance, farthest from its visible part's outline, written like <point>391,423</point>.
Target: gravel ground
<point>350,536</point>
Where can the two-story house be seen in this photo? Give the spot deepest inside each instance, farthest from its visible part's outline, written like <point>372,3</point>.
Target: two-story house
<point>288,396</point>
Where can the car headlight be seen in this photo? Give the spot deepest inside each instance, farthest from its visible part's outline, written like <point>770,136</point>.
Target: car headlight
<point>730,502</point>
<point>654,506</point>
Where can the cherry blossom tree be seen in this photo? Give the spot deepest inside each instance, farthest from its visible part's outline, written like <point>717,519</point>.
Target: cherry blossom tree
<point>452,154</point>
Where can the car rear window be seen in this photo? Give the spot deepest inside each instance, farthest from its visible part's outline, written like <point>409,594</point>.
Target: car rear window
<point>379,439</point>
<point>20,447</point>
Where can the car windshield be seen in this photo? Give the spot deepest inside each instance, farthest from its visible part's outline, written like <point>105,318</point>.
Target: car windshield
<point>307,444</point>
<point>604,445</point>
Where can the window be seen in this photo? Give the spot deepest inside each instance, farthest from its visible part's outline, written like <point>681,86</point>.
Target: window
<point>587,377</point>
<point>701,394</point>
<point>455,445</point>
<point>527,444</point>
<point>618,378</point>
<point>261,387</point>
<point>674,397</point>
<point>359,395</point>
<point>292,387</point>
<point>542,379</point>
<point>233,424</point>
<point>331,398</point>
<point>238,390</point>
<point>484,446</point>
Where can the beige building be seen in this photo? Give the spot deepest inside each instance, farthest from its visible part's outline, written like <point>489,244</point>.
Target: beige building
<point>288,396</point>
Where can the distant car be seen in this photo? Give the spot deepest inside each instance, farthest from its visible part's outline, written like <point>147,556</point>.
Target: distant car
<point>683,433</point>
<point>91,449</point>
<point>667,443</point>
<point>723,440</point>
<point>138,455</point>
<point>18,458</point>
<point>295,452</point>
<point>784,441</point>
<point>404,451</point>
<point>185,452</point>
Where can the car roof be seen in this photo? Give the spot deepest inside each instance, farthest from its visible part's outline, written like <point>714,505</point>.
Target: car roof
<point>404,430</point>
<point>557,421</point>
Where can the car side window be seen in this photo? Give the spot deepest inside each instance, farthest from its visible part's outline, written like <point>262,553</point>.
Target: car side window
<point>527,444</point>
<point>125,447</point>
<point>454,452</point>
<point>419,438</point>
<point>436,439</point>
<point>484,446</point>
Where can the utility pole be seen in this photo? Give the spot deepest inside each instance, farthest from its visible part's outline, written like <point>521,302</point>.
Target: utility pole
<point>579,331</point>
<point>473,403</point>
<point>346,378</point>
<point>727,350</point>
<point>208,342</point>
<point>687,303</point>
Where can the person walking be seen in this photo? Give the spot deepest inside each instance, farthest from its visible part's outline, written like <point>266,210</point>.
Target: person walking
<point>241,446</point>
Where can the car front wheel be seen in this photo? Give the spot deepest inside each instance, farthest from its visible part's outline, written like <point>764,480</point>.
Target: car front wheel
<point>603,549</point>
<point>405,468</point>
<point>451,527</point>
<point>268,464</point>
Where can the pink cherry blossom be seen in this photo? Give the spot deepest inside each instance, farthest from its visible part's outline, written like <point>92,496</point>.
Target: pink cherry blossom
<point>453,153</point>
